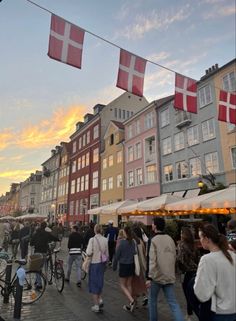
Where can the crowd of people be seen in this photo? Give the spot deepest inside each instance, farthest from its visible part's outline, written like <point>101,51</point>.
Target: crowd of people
<point>209,271</point>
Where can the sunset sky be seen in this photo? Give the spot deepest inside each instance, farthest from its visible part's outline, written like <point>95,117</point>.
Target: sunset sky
<point>41,99</point>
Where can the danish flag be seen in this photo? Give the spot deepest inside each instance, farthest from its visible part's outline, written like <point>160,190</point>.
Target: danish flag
<point>185,93</point>
<point>131,73</point>
<point>227,107</point>
<point>65,42</point>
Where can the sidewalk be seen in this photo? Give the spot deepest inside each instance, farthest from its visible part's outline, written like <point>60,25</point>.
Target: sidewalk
<point>74,303</point>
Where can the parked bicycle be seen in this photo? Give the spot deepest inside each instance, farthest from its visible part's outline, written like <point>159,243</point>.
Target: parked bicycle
<point>54,268</point>
<point>31,292</point>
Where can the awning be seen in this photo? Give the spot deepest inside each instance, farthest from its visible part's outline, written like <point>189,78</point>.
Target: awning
<point>179,193</point>
<point>192,193</point>
<point>111,208</point>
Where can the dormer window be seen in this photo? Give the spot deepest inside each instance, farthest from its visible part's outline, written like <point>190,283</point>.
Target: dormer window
<point>112,139</point>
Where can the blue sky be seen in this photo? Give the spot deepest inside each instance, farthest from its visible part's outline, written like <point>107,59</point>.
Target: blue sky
<point>42,99</point>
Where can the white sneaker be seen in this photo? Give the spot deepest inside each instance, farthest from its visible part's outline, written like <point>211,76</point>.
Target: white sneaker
<point>95,308</point>
<point>101,303</point>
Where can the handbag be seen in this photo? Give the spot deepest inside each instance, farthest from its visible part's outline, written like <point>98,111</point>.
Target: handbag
<point>104,257</point>
<point>86,264</point>
<point>136,261</point>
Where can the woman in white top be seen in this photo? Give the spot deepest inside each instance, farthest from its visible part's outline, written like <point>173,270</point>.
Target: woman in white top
<point>98,249</point>
<point>216,275</point>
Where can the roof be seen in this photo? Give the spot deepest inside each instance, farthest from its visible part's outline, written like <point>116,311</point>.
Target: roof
<point>163,100</point>
<point>118,124</point>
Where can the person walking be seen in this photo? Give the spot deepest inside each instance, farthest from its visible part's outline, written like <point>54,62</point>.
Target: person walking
<point>216,278</point>
<point>75,245</point>
<point>187,261</point>
<point>97,249</point>
<point>125,256</point>
<point>111,234</point>
<point>15,240</point>
<point>24,239</point>
<point>162,256</point>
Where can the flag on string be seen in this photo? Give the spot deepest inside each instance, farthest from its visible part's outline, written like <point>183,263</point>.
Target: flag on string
<point>185,93</point>
<point>227,107</point>
<point>131,73</point>
<point>65,42</point>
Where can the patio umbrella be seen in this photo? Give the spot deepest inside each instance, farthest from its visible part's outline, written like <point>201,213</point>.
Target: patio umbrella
<point>31,217</point>
<point>153,204</point>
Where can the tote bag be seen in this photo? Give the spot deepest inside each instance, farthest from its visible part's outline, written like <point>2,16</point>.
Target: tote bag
<point>86,264</point>
<point>137,265</point>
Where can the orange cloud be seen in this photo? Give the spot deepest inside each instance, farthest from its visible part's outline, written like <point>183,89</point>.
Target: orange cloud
<point>16,175</point>
<point>5,138</point>
<point>47,132</point>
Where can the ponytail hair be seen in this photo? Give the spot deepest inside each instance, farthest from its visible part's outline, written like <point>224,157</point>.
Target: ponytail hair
<point>218,239</point>
<point>128,232</point>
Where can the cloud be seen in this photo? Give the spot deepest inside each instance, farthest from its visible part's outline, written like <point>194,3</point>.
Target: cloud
<point>20,174</point>
<point>47,132</point>
<point>160,20</point>
<point>219,11</point>
<point>157,57</point>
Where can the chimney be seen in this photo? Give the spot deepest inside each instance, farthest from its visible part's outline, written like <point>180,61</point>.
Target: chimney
<point>206,71</point>
<point>53,152</point>
<point>216,66</point>
<point>87,117</point>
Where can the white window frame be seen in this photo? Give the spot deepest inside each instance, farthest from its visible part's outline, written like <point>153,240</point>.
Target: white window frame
<point>207,134</point>
<point>137,127</point>
<point>166,146</point>
<point>82,184</point>
<point>95,179</point>
<point>130,154</point>
<point>179,141</point>
<point>104,184</point>
<point>149,173</point>
<point>96,131</point>
<point>73,170</point>
<point>72,187</point>
<point>119,156</point>
<point>87,160</point>
<point>129,131</point>
<point>184,173</point>
<point>149,120</point>
<point>95,155</point>
<point>231,155</point>
<point>74,147</point>
<point>138,151</point>
<point>205,96</point>
<point>130,179</point>
<point>86,182</point>
<point>193,135</point>
<point>165,117</point>
<point>195,168</point>
<point>110,183</point>
<point>139,176</point>
<point>119,181</point>
<point>110,160</point>
<point>168,175</point>
<point>104,163</point>
<point>88,137</point>
<point>212,168</point>
<point>229,84</point>
<point>78,185</point>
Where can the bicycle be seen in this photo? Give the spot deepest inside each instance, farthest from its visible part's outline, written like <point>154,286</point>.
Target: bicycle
<point>31,293</point>
<point>54,269</point>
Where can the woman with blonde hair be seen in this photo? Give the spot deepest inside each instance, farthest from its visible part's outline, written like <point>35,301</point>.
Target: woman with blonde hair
<point>98,250</point>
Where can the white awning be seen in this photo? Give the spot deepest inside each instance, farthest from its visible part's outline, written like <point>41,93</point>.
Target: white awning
<point>111,208</point>
<point>179,193</point>
<point>192,193</point>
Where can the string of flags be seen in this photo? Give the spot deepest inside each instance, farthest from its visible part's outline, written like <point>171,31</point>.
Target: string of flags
<point>66,45</point>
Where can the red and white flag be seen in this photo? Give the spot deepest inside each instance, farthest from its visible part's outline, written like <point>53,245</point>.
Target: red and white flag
<point>227,107</point>
<point>65,42</point>
<point>185,93</point>
<point>131,73</point>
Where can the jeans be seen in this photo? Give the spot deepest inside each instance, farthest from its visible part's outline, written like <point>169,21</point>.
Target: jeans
<point>224,317</point>
<point>187,277</point>
<point>168,290</point>
<point>77,259</point>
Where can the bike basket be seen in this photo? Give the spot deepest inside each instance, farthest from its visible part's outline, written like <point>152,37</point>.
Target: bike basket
<point>36,262</point>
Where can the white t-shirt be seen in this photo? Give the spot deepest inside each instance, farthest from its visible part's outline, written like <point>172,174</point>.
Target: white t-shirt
<point>216,279</point>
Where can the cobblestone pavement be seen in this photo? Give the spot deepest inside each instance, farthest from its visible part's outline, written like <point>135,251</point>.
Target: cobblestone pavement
<point>74,303</point>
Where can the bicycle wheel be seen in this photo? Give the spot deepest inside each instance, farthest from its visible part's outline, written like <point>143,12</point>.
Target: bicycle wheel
<point>59,277</point>
<point>33,288</point>
<point>49,270</point>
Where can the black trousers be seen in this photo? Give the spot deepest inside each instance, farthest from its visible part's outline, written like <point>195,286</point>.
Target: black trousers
<point>111,249</point>
<point>187,277</point>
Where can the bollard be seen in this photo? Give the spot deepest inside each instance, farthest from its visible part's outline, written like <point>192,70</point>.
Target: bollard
<point>8,281</point>
<point>18,300</point>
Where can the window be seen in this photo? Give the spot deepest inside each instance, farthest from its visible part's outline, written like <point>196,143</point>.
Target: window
<point>127,113</point>
<point>211,162</point>
<point>79,163</point>
<point>83,161</point>
<point>138,153</point>
<point>139,176</point>
<point>95,132</point>
<point>150,146</point>
<point>82,184</point>
<point>72,208</point>
<point>78,185</point>
<point>166,146</point>
<point>179,141</point>
<point>88,137</point>
<point>74,147</point>
<point>149,120</point>
<point>115,111</point>
<point>110,160</point>
<point>80,142</point>
<point>137,127</point>
<point>104,184</point>
<point>95,179</point>
<point>168,173</point>
<point>104,163</point>
<point>192,135</point>
<point>120,113</point>
<point>77,207</point>
<point>229,82</point>
<point>74,167</point>
<point>87,159</point>
<point>110,183</point>
<point>84,140</point>
<point>129,134</point>
<point>130,154</point>
<point>151,173</point>
<point>119,181</point>
<point>95,155</point>
<point>208,129</point>
<point>119,156</point>
<point>72,190</point>
<point>111,139</point>
<point>165,117</point>
<point>130,179</point>
<point>182,170</point>
<point>86,182</point>
<point>195,167</point>
<point>233,156</point>
<point>123,114</point>
<point>205,97</point>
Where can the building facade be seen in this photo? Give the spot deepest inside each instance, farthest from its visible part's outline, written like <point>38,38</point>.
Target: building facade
<point>141,156</point>
<point>112,169</point>
<point>87,144</point>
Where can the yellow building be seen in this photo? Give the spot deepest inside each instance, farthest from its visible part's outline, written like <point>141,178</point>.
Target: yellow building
<point>112,169</point>
<point>225,78</point>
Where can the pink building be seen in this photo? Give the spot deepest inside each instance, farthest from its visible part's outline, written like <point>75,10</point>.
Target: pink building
<point>141,157</point>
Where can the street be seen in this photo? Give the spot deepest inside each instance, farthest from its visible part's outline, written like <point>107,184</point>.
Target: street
<point>74,304</point>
